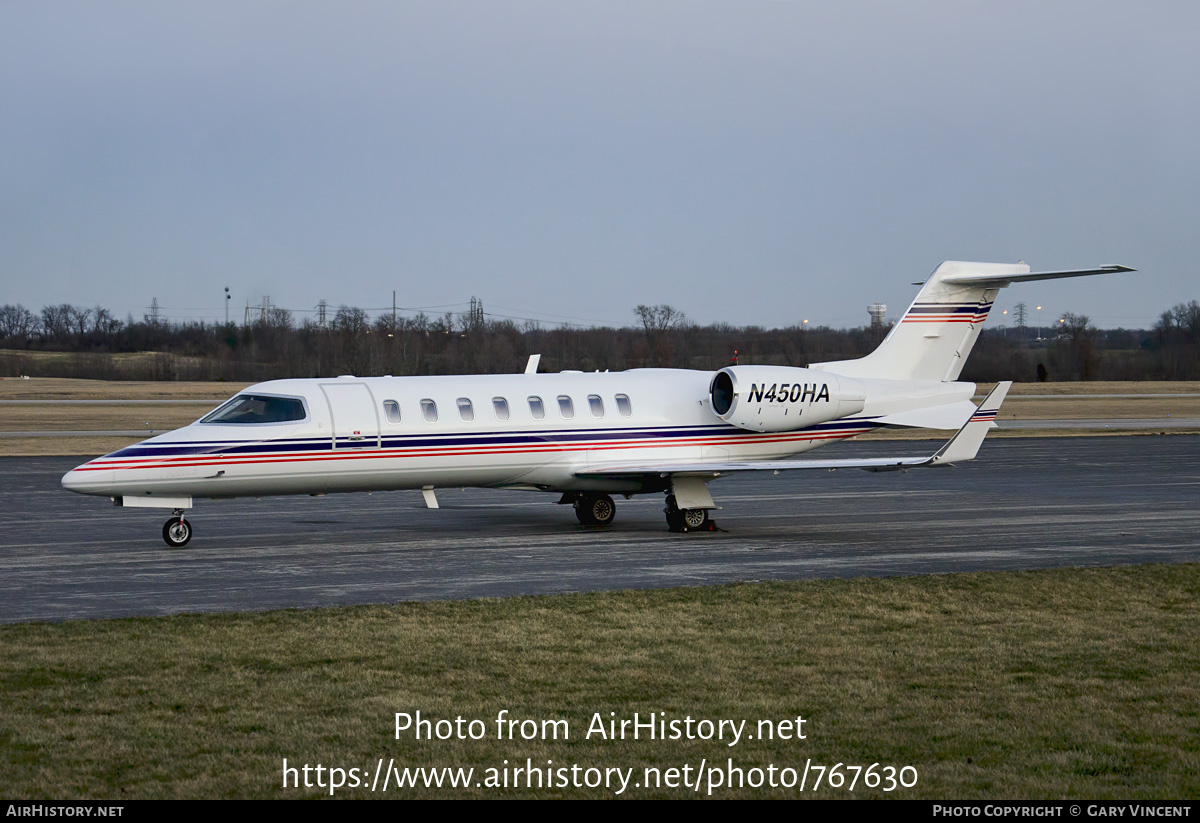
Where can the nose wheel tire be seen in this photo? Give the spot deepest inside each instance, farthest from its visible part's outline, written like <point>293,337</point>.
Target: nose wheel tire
<point>177,532</point>
<point>595,510</point>
<point>687,520</point>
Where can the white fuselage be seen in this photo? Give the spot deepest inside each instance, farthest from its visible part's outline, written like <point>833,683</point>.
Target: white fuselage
<point>351,437</point>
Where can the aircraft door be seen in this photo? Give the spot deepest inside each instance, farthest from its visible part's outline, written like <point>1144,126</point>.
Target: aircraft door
<point>354,418</point>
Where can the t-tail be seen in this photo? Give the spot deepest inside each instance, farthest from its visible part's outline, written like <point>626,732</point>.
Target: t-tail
<point>935,336</point>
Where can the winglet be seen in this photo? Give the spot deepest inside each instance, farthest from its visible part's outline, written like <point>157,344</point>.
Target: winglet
<point>531,366</point>
<point>965,444</point>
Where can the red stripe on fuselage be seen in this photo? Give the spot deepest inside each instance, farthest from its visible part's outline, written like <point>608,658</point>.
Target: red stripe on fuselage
<point>440,451</point>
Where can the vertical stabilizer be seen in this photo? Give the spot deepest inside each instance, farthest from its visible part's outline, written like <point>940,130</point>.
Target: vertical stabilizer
<point>934,337</point>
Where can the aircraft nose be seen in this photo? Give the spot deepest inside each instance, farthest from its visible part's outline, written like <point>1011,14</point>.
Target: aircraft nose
<point>85,481</point>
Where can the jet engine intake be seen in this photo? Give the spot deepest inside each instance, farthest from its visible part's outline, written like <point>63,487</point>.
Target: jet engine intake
<point>782,398</point>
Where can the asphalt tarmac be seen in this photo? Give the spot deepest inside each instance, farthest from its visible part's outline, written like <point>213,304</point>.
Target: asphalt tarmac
<point>1023,504</point>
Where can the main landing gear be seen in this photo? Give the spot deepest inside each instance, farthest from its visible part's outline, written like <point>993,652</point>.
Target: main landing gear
<point>687,520</point>
<point>177,531</point>
<point>595,509</point>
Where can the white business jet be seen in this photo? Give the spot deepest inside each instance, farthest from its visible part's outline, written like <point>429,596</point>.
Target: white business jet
<point>583,436</point>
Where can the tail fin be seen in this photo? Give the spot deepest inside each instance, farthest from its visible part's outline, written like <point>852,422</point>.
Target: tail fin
<point>936,334</point>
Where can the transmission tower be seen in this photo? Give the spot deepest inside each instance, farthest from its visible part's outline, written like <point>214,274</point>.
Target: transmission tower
<point>1019,310</point>
<point>321,313</point>
<point>475,314</point>
<point>154,312</point>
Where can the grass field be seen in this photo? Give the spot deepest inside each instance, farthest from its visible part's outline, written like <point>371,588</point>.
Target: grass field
<point>1026,402</point>
<point>1053,684</point>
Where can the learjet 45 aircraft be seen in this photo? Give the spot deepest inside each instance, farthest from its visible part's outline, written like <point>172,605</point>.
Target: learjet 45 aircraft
<point>583,436</point>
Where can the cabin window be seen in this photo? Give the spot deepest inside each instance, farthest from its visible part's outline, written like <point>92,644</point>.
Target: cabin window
<point>500,407</point>
<point>623,406</point>
<point>465,411</point>
<point>391,410</point>
<point>596,405</point>
<point>246,409</point>
<point>429,410</point>
<point>565,408</point>
<point>536,408</point>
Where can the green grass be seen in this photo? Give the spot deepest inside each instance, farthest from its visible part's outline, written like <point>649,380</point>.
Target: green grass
<point>1075,683</point>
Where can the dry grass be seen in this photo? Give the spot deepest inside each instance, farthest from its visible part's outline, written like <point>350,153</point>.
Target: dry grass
<point>1101,387</point>
<point>81,447</point>
<point>61,388</point>
<point>99,418</point>
<point>1064,684</point>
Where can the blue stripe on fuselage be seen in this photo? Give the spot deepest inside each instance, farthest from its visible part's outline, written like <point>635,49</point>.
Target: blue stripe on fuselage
<point>168,448</point>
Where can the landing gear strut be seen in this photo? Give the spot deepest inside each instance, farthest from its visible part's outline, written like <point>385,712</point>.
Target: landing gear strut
<point>177,531</point>
<point>687,520</point>
<point>595,509</point>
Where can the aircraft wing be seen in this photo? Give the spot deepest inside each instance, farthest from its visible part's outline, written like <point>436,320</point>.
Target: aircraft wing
<point>964,445</point>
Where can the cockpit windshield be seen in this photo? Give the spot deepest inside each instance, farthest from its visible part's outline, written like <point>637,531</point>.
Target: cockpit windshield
<point>257,408</point>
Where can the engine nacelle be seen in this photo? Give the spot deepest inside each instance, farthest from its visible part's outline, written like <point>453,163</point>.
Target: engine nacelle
<point>781,398</point>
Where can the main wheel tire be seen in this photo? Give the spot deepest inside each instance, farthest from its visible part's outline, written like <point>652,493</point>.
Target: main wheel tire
<point>177,532</point>
<point>595,510</point>
<point>603,510</point>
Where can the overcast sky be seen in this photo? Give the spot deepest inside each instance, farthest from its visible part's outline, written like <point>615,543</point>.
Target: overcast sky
<point>752,163</point>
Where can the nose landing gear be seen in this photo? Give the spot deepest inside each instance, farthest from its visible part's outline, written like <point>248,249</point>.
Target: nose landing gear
<point>687,520</point>
<point>177,531</point>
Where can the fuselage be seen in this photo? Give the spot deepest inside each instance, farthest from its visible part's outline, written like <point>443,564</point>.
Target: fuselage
<point>530,431</point>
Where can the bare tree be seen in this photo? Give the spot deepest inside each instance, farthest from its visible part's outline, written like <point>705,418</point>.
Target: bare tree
<point>79,320</point>
<point>350,320</point>
<point>17,321</point>
<point>658,323</point>
<point>56,320</point>
<point>103,322</point>
<point>1082,334</point>
<point>350,326</point>
<point>659,318</point>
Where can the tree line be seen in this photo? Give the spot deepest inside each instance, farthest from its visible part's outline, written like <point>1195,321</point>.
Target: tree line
<point>71,341</point>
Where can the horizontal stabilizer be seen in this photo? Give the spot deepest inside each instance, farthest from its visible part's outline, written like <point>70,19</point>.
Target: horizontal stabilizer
<point>996,281</point>
<point>963,446</point>
<point>949,416</point>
